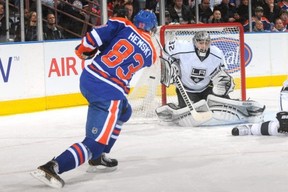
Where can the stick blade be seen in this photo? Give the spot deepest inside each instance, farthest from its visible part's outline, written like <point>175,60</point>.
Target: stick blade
<point>201,116</point>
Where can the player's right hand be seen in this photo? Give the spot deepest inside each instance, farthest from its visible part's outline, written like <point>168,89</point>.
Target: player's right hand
<point>84,55</point>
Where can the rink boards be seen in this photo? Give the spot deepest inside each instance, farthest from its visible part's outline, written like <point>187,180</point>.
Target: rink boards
<point>45,75</point>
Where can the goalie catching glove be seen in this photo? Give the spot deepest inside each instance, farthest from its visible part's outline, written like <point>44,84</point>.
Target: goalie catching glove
<point>223,83</point>
<point>85,53</point>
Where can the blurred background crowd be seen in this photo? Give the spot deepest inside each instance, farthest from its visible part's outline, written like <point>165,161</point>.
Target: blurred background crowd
<point>68,19</point>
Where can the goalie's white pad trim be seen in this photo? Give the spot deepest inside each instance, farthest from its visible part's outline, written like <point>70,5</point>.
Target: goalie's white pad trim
<point>182,116</point>
<point>234,110</point>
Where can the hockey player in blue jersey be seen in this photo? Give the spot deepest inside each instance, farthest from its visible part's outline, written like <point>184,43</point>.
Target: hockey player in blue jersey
<point>123,48</point>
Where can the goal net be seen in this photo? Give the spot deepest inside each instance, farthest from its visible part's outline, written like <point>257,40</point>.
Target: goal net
<point>147,93</point>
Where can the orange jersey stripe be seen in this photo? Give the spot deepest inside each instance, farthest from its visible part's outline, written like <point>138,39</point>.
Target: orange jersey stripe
<point>112,118</point>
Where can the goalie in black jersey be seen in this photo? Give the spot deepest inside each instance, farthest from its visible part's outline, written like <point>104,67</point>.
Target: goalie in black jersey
<point>274,127</point>
<point>200,67</point>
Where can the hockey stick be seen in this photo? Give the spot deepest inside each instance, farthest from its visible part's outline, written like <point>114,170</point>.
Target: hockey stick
<point>198,116</point>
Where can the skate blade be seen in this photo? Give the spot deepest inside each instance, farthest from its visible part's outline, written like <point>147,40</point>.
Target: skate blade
<point>41,176</point>
<point>100,169</point>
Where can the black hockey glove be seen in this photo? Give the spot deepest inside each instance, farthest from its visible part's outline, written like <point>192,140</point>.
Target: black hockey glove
<point>282,117</point>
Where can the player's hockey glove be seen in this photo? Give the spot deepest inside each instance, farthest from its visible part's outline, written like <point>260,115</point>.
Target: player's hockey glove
<point>282,117</point>
<point>83,52</point>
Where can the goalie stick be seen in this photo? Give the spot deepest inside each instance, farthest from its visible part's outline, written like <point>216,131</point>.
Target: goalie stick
<point>198,116</point>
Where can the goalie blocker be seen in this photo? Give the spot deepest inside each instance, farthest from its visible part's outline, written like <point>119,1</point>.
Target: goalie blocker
<point>224,111</point>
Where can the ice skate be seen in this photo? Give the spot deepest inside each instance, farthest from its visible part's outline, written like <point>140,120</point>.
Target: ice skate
<point>102,164</point>
<point>46,174</point>
<point>241,130</point>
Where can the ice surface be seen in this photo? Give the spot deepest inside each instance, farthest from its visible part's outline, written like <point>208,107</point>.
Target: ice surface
<point>152,158</point>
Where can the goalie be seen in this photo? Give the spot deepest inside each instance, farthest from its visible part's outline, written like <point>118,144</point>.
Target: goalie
<point>275,127</point>
<point>202,85</point>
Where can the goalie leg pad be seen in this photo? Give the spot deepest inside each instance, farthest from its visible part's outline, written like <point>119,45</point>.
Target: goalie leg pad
<point>167,112</point>
<point>234,110</point>
<point>181,116</point>
<point>172,113</point>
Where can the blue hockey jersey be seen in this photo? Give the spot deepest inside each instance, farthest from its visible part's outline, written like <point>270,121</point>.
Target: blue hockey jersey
<point>124,50</point>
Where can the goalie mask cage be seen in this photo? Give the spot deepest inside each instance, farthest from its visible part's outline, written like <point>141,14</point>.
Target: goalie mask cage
<point>148,93</point>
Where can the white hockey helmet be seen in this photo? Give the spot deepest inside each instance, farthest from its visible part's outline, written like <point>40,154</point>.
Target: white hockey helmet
<point>202,41</point>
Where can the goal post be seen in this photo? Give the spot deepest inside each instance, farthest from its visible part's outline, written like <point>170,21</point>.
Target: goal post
<point>147,92</point>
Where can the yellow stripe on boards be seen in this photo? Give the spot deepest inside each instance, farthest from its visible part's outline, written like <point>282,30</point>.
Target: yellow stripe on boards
<point>265,81</point>
<point>22,106</point>
<point>68,100</point>
<point>76,99</point>
<point>40,104</point>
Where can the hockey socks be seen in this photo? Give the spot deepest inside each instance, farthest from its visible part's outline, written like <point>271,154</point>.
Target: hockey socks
<point>78,153</point>
<point>114,137</point>
<point>73,157</point>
